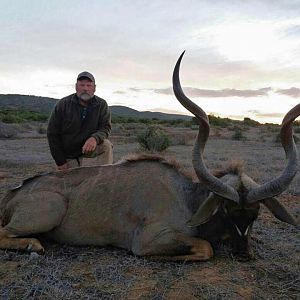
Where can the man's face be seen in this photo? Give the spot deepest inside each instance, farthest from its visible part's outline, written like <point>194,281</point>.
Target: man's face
<point>85,89</point>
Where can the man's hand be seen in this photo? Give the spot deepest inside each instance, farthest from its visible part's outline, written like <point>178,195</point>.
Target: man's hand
<point>89,146</point>
<point>63,167</point>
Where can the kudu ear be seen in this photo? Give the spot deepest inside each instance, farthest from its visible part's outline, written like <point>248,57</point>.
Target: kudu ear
<point>279,211</point>
<point>209,207</point>
<point>206,210</point>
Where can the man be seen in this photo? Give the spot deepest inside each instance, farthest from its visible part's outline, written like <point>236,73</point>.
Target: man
<point>79,127</point>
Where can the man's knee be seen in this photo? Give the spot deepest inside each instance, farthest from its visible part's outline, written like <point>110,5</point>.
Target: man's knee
<point>106,150</point>
<point>105,146</point>
<point>103,152</point>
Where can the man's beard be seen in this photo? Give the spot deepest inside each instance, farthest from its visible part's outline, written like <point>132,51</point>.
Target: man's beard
<point>85,97</point>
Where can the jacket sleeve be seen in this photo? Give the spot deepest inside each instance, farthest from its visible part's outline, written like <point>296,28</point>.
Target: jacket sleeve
<point>104,122</point>
<point>54,136</point>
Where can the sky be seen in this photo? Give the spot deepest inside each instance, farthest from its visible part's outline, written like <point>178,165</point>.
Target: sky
<point>242,58</point>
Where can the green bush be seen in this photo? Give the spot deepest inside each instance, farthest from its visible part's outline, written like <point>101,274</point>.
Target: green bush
<point>217,121</point>
<point>238,135</point>
<point>153,139</point>
<point>19,116</point>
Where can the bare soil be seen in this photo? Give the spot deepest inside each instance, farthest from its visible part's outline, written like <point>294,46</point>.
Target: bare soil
<point>67,272</point>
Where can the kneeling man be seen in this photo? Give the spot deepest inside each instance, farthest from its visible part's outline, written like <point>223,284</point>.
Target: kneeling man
<point>79,127</point>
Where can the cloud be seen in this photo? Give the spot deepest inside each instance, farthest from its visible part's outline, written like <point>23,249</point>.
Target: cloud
<point>269,115</point>
<point>136,90</point>
<point>260,114</point>
<point>119,92</point>
<point>195,92</point>
<point>253,111</point>
<point>168,111</point>
<point>59,85</point>
<point>118,103</point>
<point>292,92</point>
<point>236,117</point>
<point>293,31</point>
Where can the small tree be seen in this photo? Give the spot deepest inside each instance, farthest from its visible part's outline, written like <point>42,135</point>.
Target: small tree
<point>153,139</point>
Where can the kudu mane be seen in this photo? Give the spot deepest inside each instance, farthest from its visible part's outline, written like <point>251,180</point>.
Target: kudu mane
<point>234,167</point>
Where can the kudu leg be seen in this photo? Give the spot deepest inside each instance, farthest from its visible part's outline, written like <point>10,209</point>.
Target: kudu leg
<point>196,250</point>
<point>199,250</point>
<point>10,241</point>
<point>39,212</point>
<point>170,245</point>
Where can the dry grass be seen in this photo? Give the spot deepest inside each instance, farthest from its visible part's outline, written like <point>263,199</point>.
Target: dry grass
<point>67,272</point>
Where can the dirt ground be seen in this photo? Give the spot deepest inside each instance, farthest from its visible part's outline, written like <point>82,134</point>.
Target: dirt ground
<point>67,272</point>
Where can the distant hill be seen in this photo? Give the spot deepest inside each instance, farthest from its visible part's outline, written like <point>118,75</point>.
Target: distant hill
<point>45,105</point>
<point>32,103</point>
<point>124,111</point>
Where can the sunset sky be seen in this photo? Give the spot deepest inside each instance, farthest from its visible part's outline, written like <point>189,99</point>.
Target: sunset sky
<point>242,57</point>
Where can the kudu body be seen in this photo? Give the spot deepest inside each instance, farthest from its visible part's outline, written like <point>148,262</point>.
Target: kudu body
<point>146,205</point>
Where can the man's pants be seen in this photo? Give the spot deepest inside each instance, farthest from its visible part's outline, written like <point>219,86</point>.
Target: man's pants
<point>102,155</point>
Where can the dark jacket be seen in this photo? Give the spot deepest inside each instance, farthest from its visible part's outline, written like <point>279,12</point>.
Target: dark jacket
<point>67,130</point>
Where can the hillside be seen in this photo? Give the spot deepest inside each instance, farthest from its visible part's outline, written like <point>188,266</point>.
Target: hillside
<point>32,103</point>
<point>45,105</point>
<point>124,111</point>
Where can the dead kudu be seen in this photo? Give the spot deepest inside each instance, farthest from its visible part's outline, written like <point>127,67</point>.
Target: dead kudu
<point>147,205</point>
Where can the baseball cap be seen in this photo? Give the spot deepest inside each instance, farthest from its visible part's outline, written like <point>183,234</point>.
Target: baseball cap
<point>87,75</point>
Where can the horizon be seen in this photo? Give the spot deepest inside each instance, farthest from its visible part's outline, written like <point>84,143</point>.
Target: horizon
<point>156,111</point>
<point>242,59</point>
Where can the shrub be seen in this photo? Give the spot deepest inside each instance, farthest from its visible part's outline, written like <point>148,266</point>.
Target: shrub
<point>250,122</point>
<point>238,135</point>
<point>217,121</point>
<point>153,139</point>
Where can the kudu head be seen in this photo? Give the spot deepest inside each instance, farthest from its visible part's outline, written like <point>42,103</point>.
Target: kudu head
<point>236,197</point>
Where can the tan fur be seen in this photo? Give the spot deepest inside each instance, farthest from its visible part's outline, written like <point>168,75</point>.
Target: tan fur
<point>172,162</point>
<point>104,205</point>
